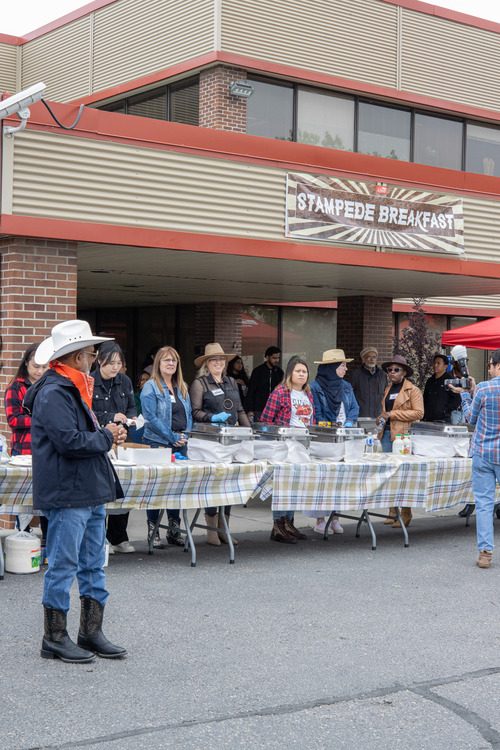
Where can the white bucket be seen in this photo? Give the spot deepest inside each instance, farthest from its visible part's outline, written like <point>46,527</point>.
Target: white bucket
<point>22,553</point>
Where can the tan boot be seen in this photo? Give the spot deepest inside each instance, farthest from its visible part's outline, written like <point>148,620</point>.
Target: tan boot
<point>212,536</point>
<point>222,533</point>
<point>406,515</point>
<point>391,517</point>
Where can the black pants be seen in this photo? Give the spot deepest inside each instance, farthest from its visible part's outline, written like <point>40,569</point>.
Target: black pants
<point>117,528</point>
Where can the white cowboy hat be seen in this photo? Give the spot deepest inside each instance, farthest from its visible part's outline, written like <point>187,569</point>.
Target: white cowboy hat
<point>213,350</point>
<point>67,337</point>
<point>332,356</point>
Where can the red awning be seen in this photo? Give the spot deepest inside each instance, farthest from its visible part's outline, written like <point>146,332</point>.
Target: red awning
<point>482,335</point>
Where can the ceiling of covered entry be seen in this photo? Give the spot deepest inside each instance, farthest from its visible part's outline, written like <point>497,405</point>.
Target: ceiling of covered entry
<point>130,276</point>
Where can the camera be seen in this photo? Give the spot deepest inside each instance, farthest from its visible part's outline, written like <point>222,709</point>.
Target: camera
<point>459,356</point>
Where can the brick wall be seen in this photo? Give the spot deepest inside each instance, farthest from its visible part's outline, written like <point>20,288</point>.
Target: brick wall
<point>218,109</point>
<point>216,321</point>
<point>37,290</point>
<point>365,321</point>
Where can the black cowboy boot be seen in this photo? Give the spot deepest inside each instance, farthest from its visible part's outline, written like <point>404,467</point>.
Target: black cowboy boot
<point>90,635</point>
<point>174,535</point>
<point>57,644</point>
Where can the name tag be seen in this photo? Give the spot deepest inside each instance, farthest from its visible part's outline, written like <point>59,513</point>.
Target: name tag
<point>393,396</point>
<point>172,398</point>
<point>218,392</point>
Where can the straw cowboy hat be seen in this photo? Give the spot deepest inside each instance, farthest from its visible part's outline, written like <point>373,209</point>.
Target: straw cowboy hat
<point>212,350</point>
<point>332,356</point>
<point>67,337</point>
<point>401,361</point>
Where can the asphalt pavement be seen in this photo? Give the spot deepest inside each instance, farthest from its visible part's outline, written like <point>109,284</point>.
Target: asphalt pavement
<point>317,645</point>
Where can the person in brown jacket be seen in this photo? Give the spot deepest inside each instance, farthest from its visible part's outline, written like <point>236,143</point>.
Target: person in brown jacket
<point>402,404</point>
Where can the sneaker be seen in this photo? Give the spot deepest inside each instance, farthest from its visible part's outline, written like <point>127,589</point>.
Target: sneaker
<point>124,547</point>
<point>320,528</point>
<point>336,526</point>
<point>484,559</point>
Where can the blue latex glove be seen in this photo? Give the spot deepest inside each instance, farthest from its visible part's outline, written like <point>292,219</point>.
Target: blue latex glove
<point>222,416</point>
<point>180,456</point>
<point>347,424</point>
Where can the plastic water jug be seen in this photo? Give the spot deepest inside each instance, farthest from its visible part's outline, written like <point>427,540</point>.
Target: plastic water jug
<point>398,445</point>
<point>22,553</point>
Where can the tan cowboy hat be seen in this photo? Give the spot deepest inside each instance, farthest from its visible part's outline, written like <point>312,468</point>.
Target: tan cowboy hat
<point>67,337</point>
<point>212,350</point>
<point>332,356</point>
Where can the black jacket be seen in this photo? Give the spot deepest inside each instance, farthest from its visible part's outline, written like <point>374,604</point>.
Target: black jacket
<point>112,396</point>
<point>71,467</point>
<point>368,389</point>
<point>263,381</point>
<point>439,402</point>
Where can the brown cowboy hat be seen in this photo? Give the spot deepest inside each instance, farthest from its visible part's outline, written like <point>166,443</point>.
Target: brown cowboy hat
<point>212,350</point>
<point>332,357</point>
<point>398,360</point>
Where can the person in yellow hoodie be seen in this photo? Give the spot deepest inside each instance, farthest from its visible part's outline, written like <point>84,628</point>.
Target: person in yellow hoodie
<point>402,404</point>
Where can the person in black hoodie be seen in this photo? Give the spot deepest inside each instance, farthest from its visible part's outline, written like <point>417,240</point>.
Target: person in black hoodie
<point>113,401</point>
<point>73,478</point>
<point>439,402</point>
<point>263,381</point>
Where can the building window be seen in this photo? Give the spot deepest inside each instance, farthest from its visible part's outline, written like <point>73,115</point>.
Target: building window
<point>438,141</point>
<point>483,149</point>
<point>384,131</point>
<point>325,119</point>
<point>308,332</point>
<point>270,111</point>
<point>178,102</point>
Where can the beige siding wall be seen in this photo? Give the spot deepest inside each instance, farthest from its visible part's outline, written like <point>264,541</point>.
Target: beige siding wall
<point>70,178</point>
<point>450,60</point>
<point>118,43</point>
<point>350,38</point>
<point>61,59</point>
<point>492,302</point>
<point>8,66</point>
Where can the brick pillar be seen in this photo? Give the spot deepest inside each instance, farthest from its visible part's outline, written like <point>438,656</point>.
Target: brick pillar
<point>216,321</point>
<point>365,321</point>
<point>218,109</point>
<point>37,290</point>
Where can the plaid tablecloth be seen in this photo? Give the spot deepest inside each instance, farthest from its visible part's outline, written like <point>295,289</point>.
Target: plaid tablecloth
<point>380,482</point>
<point>183,485</point>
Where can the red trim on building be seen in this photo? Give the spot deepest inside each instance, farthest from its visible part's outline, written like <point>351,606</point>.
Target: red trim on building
<point>115,234</point>
<point>161,135</point>
<point>15,41</point>
<point>447,13</point>
<point>186,66</point>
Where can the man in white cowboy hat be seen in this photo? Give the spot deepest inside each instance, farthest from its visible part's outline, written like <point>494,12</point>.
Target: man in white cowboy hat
<point>72,480</point>
<point>368,383</point>
<point>334,402</point>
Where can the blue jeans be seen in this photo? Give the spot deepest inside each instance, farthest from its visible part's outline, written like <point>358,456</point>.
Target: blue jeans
<point>75,548</point>
<point>485,475</point>
<point>277,514</point>
<point>386,440</point>
<point>172,514</point>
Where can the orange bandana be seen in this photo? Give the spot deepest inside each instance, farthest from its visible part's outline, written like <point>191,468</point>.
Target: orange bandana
<point>82,381</point>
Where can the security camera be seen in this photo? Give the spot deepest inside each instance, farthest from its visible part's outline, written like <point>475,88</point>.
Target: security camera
<point>22,100</point>
<point>18,104</point>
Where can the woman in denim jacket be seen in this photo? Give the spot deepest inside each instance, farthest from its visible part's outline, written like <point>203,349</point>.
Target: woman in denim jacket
<point>166,408</point>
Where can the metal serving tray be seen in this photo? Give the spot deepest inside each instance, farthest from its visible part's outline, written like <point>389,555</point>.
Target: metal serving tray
<point>440,429</point>
<point>336,434</point>
<point>224,434</point>
<point>369,424</point>
<point>263,431</point>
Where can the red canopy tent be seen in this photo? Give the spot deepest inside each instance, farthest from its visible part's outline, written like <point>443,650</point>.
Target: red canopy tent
<point>482,335</point>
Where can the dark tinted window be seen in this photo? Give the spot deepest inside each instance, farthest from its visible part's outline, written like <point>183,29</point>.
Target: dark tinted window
<point>384,131</point>
<point>483,149</point>
<point>184,103</point>
<point>153,104</point>
<point>270,111</point>
<point>438,142</point>
<point>325,119</point>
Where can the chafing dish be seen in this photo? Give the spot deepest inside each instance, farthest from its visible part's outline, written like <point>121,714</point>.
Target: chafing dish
<point>336,434</point>
<point>223,434</point>
<point>368,424</point>
<point>439,428</point>
<point>439,440</point>
<point>264,431</point>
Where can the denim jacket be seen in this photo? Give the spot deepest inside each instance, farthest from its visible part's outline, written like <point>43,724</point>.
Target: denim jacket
<point>322,409</point>
<point>157,411</point>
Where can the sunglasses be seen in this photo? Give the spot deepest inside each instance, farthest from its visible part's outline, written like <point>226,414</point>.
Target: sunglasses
<point>394,369</point>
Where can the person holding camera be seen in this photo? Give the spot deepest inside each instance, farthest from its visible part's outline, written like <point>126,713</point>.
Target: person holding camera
<point>481,407</point>
<point>439,400</point>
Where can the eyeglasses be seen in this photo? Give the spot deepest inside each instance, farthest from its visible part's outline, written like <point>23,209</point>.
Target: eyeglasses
<point>173,361</point>
<point>90,354</point>
<point>216,359</point>
<point>394,369</point>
